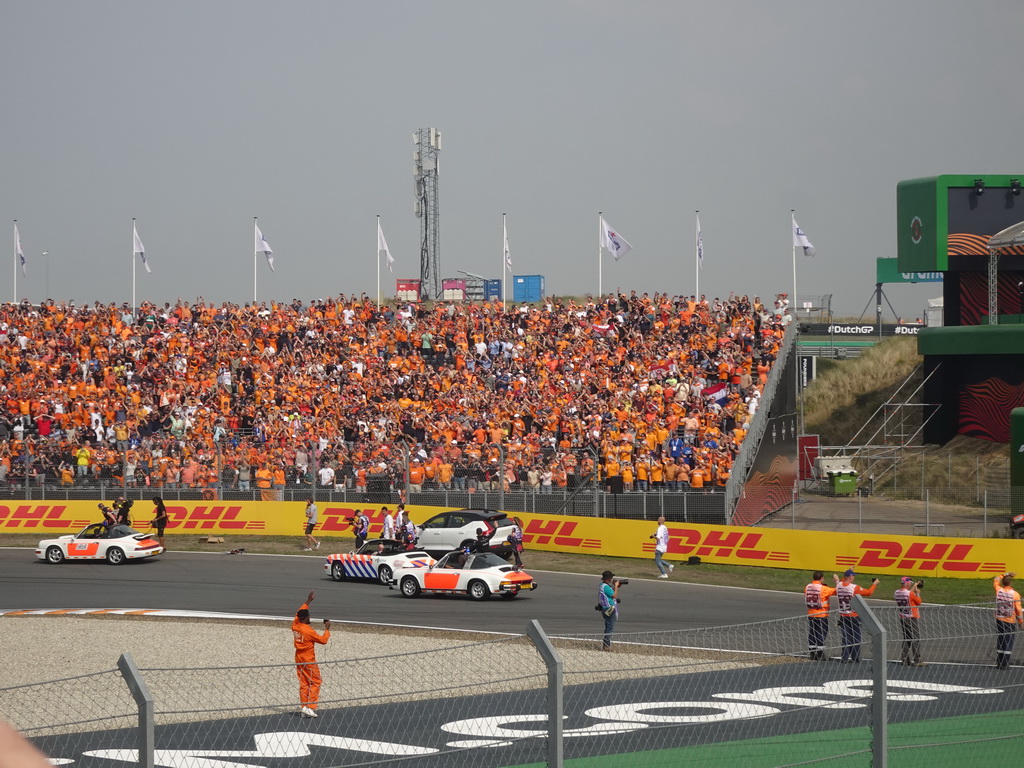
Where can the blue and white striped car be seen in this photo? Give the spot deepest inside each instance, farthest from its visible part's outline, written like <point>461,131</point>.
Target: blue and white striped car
<point>377,559</point>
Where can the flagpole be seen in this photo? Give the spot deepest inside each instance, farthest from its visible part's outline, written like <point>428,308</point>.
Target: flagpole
<point>696,257</point>
<point>133,264</point>
<point>255,269</point>
<point>792,214</point>
<point>795,317</point>
<point>504,265</point>
<point>600,219</point>
<point>15,299</point>
<point>378,262</point>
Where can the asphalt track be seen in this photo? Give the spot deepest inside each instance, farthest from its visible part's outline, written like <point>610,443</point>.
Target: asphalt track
<point>275,585</point>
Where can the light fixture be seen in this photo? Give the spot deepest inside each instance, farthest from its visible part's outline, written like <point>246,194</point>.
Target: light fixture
<point>1015,186</point>
<point>979,186</point>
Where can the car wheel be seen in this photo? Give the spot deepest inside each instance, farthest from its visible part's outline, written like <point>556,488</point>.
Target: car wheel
<point>1019,533</point>
<point>410,588</point>
<point>115,556</point>
<point>478,590</point>
<point>384,574</point>
<point>54,555</point>
<point>337,571</point>
<point>510,594</point>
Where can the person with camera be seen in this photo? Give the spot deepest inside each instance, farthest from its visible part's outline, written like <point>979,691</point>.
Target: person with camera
<point>849,621</point>
<point>306,639</point>
<point>608,604</point>
<point>1008,617</point>
<point>360,527</point>
<point>908,598</point>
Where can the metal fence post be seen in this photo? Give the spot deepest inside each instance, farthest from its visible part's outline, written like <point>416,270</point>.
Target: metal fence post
<point>555,704</point>
<point>984,517</point>
<point>140,692</point>
<point>860,513</point>
<point>879,677</point>
<point>927,514</point>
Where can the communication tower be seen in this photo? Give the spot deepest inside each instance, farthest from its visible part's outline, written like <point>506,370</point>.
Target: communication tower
<point>425,169</point>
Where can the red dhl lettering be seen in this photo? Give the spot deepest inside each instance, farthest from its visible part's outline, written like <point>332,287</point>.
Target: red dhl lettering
<point>34,516</point>
<point>204,517</point>
<point>739,544</point>
<point>336,519</point>
<point>551,532</point>
<point>919,556</point>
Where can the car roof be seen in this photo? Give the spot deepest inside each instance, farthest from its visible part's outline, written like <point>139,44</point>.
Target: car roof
<point>485,514</point>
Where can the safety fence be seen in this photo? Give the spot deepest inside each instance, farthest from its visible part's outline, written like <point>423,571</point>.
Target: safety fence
<point>735,695</point>
<point>956,512</point>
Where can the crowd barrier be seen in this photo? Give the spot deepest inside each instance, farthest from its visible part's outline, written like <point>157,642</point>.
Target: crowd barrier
<point>803,550</point>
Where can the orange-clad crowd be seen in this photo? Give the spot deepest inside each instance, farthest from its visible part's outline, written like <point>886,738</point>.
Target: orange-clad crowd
<point>660,390</point>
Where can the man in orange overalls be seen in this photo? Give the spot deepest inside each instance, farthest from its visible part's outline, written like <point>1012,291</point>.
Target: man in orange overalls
<point>306,639</point>
<point>816,596</point>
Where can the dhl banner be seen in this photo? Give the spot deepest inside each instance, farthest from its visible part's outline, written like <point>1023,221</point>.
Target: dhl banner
<point>770,547</point>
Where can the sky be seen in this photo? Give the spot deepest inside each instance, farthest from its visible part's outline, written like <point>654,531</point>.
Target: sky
<point>194,116</point>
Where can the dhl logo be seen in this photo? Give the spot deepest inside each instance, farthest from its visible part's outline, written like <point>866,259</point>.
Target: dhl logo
<point>37,516</point>
<point>919,556</point>
<point>556,532</point>
<point>723,544</point>
<point>208,517</point>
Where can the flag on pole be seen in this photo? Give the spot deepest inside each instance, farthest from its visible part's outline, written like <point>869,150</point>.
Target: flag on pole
<point>614,242</point>
<point>17,250</point>
<point>382,246</point>
<point>800,240</point>
<point>139,249</point>
<point>508,253</point>
<point>263,246</point>
<point>700,245</point>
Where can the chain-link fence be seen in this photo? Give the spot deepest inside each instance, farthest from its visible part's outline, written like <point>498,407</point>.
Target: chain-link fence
<point>959,512</point>
<point>734,695</point>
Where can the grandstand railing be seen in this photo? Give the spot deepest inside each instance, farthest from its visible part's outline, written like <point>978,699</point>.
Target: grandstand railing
<point>748,449</point>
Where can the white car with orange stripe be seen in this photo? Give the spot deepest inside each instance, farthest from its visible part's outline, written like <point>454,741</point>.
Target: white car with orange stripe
<point>116,545</point>
<point>377,559</point>
<point>477,575</point>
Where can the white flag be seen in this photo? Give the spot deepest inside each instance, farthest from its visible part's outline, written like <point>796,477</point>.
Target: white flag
<point>139,249</point>
<point>382,246</point>
<point>700,245</point>
<point>18,251</point>
<point>800,239</point>
<point>263,246</point>
<point>508,253</point>
<point>613,241</point>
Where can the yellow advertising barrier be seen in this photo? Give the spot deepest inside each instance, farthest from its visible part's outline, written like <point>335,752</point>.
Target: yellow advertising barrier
<point>771,547</point>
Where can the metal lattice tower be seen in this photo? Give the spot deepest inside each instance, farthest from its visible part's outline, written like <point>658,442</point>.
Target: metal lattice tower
<point>425,169</point>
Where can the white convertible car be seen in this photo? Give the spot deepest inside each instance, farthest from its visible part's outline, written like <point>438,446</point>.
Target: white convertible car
<point>96,542</point>
<point>477,575</point>
<point>377,559</point>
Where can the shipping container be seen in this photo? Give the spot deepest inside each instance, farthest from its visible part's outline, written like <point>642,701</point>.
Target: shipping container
<point>492,290</point>
<point>407,290</point>
<point>453,289</point>
<point>528,289</point>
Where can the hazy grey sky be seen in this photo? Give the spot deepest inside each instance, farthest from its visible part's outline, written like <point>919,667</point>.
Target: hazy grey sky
<point>194,117</point>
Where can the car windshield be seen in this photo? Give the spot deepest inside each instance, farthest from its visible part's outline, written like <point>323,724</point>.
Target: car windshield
<point>486,560</point>
<point>371,547</point>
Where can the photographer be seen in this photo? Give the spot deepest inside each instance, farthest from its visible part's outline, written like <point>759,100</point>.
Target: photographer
<point>608,604</point>
<point>908,598</point>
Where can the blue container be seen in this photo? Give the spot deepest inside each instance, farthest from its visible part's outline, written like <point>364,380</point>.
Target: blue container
<point>492,290</point>
<point>528,289</point>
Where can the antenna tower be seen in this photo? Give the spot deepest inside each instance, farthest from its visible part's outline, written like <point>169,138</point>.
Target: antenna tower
<point>425,169</point>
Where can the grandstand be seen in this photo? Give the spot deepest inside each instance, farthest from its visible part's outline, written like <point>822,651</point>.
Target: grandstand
<point>634,394</point>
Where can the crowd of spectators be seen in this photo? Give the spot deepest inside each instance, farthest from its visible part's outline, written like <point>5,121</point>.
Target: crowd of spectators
<point>655,390</point>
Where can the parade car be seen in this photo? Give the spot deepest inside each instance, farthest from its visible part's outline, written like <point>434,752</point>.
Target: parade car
<point>377,559</point>
<point>116,545</point>
<point>477,575</point>
<point>457,529</point>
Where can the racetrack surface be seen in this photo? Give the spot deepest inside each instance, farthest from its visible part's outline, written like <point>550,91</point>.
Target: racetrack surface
<point>275,586</point>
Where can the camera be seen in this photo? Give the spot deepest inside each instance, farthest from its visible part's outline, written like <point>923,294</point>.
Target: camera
<point>622,582</point>
<point>920,584</point>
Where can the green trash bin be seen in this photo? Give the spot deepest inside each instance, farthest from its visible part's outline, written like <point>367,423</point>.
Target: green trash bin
<point>843,483</point>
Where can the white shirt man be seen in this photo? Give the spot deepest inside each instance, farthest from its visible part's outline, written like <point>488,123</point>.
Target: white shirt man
<point>389,524</point>
<point>326,476</point>
<point>660,537</point>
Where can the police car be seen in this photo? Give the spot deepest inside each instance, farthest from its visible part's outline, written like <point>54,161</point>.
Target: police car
<point>377,559</point>
<point>116,545</point>
<point>477,575</point>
